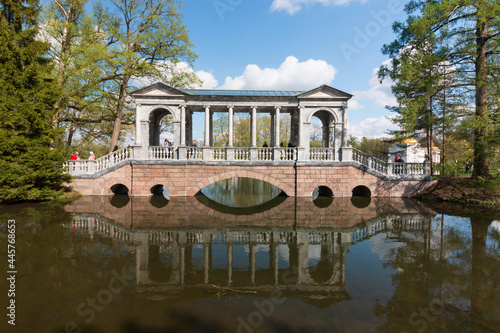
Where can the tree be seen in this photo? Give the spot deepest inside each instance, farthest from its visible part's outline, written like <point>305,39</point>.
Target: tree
<point>149,39</point>
<point>103,54</point>
<point>463,33</point>
<point>29,169</point>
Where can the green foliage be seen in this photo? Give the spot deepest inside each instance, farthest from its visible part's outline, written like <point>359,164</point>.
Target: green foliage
<point>242,124</point>
<point>445,66</point>
<point>29,168</point>
<point>375,147</point>
<point>102,53</point>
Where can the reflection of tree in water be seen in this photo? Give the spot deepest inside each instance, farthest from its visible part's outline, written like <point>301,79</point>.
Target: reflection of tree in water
<point>241,192</point>
<point>444,280</point>
<point>68,264</point>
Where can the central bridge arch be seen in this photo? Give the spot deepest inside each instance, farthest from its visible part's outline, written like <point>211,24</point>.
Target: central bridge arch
<point>289,190</point>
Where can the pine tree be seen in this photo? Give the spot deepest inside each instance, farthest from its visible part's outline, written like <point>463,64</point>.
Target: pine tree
<point>29,169</point>
<point>463,34</point>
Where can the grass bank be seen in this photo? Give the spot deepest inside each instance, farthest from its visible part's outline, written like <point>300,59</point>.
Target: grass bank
<point>464,191</point>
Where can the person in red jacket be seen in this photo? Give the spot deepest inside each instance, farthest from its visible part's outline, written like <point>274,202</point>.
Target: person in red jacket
<point>73,157</point>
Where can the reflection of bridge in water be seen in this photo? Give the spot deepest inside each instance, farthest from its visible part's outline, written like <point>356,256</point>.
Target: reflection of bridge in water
<point>295,247</point>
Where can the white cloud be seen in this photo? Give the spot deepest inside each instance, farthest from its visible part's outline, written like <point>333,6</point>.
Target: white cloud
<point>372,127</point>
<point>379,94</point>
<point>291,75</point>
<point>294,6</point>
<point>208,80</point>
<point>180,68</point>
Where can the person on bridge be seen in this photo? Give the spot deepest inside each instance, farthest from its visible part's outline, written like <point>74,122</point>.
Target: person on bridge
<point>92,156</point>
<point>73,157</point>
<point>265,144</point>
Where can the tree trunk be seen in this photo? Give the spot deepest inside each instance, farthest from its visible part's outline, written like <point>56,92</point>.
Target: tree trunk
<point>443,151</point>
<point>63,60</point>
<point>481,159</point>
<point>429,136</point>
<point>119,113</point>
<point>478,279</point>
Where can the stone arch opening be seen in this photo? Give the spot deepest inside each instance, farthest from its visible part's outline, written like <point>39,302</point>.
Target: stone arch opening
<point>285,188</point>
<point>241,192</point>
<point>120,189</point>
<point>161,127</point>
<point>322,132</point>
<point>361,191</point>
<point>322,196</point>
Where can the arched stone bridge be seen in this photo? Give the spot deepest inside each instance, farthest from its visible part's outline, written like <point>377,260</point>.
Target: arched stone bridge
<point>295,167</point>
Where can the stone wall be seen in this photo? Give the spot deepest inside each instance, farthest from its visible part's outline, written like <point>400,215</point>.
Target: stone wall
<point>300,181</point>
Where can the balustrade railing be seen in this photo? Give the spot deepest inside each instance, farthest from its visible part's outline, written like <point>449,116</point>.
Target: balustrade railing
<point>264,154</point>
<point>369,161</point>
<point>76,167</point>
<point>288,154</point>
<point>275,154</point>
<point>218,154</point>
<point>242,154</point>
<point>322,154</point>
<point>401,169</point>
<point>161,153</point>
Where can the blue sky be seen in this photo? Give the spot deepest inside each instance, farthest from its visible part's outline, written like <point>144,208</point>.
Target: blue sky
<point>298,45</point>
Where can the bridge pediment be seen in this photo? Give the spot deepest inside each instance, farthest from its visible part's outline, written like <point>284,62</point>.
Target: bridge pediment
<point>158,89</point>
<point>325,92</point>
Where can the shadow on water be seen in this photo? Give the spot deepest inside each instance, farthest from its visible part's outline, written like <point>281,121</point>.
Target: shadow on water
<point>276,201</point>
<point>361,202</point>
<point>119,200</point>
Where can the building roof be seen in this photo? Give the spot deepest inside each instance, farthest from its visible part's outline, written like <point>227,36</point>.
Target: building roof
<point>221,92</point>
<point>321,92</point>
<point>409,140</point>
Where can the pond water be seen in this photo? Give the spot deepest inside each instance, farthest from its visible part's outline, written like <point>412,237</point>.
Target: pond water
<point>197,264</point>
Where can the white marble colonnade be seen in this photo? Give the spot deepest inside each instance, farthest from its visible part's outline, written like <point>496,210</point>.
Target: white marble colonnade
<point>326,103</point>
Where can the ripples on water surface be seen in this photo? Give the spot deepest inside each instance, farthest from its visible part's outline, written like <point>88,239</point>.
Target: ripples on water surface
<point>291,265</point>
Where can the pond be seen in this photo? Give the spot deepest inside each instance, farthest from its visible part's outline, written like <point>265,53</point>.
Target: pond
<point>199,264</point>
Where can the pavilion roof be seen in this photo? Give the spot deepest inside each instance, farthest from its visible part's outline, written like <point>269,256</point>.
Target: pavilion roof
<point>262,93</point>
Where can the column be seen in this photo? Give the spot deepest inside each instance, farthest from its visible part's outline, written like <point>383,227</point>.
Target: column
<point>277,127</point>
<point>344,126</point>
<point>230,125</point>
<point>337,140</point>
<point>207,126</point>
<point>211,129</point>
<point>138,125</point>
<point>254,128</point>
<point>271,144</point>
<point>301,128</point>
<point>183,126</point>
<point>294,131</point>
<point>189,127</point>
